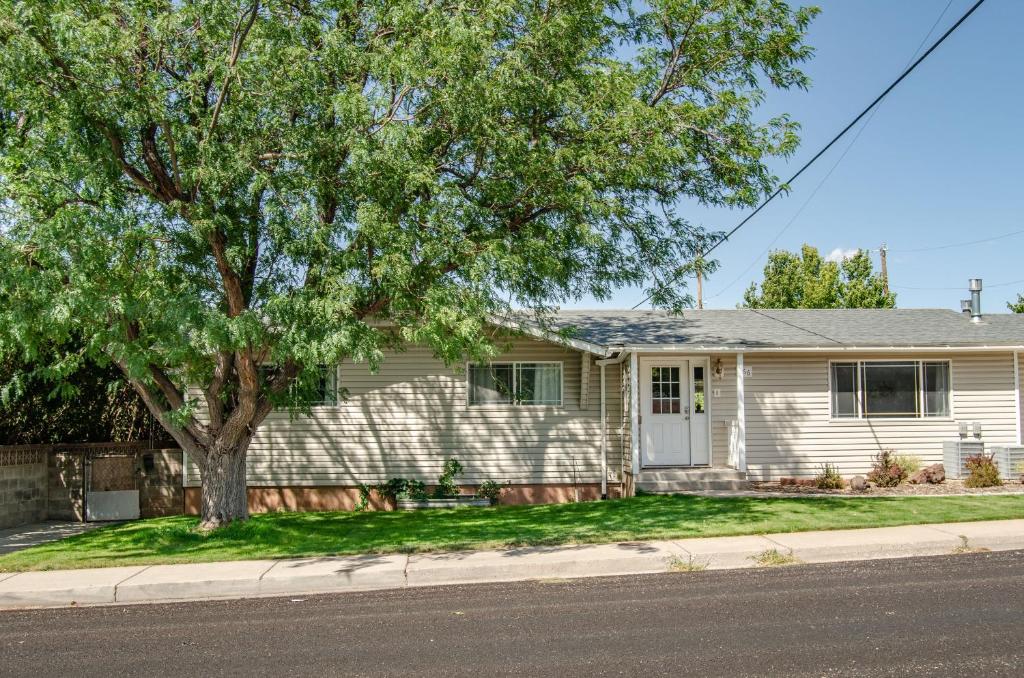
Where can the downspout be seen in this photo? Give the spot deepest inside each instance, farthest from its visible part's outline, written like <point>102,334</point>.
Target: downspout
<point>604,421</point>
<point>604,438</point>
<point>1016,392</point>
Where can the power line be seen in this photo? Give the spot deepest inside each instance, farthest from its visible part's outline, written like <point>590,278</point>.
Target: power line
<point>943,289</point>
<point>959,244</point>
<point>832,169</point>
<point>837,137</point>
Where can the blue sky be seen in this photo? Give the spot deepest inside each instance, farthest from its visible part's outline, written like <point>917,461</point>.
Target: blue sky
<point>939,163</point>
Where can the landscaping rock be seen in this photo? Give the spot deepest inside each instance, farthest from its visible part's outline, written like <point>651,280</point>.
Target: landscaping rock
<point>930,475</point>
<point>858,484</point>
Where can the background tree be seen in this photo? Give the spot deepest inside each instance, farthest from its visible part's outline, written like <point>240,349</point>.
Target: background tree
<point>1016,306</point>
<point>221,196</point>
<point>91,404</point>
<point>808,281</point>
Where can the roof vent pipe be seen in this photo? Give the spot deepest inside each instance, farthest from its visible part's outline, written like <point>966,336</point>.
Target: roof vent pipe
<point>974,285</point>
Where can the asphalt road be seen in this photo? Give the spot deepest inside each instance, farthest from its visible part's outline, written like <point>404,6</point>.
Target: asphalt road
<point>954,615</point>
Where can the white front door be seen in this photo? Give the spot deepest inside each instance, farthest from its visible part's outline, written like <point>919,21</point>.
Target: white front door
<point>665,412</point>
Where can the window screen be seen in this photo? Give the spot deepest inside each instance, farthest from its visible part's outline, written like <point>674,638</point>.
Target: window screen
<point>516,383</point>
<point>936,389</point>
<point>490,383</point>
<point>844,390</point>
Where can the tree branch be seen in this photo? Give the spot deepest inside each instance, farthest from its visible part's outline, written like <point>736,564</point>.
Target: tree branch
<point>236,49</point>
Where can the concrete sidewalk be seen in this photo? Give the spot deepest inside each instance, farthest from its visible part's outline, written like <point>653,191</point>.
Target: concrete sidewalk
<point>243,579</point>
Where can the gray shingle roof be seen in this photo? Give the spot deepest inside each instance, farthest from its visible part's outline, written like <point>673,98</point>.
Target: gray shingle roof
<point>793,328</point>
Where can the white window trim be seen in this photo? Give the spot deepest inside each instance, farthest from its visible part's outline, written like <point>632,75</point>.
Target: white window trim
<point>515,372</point>
<point>319,405</point>
<point>919,362</point>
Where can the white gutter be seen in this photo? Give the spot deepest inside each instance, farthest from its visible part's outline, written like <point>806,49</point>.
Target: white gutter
<point>689,348</point>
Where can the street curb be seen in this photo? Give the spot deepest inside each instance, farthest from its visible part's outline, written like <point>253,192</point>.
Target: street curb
<point>309,576</point>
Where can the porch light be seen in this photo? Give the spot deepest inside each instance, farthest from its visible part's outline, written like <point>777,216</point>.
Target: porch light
<point>719,369</point>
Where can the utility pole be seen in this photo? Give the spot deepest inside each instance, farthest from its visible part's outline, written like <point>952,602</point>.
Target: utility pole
<point>883,250</point>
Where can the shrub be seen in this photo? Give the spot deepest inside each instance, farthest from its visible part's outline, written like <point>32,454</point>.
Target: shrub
<point>492,490</point>
<point>886,472</point>
<point>414,490</point>
<point>910,463</point>
<point>364,498</point>
<point>829,478</point>
<point>983,471</point>
<point>390,489</point>
<point>446,485</point>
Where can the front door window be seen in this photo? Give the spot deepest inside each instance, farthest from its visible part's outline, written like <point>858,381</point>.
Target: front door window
<point>666,394</point>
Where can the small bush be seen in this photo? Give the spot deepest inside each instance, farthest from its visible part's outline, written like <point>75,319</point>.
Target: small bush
<point>446,485</point>
<point>492,490</point>
<point>829,478</point>
<point>364,498</point>
<point>983,471</point>
<point>390,489</point>
<point>910,463</point>
<point>886,472</point>
<point>414,490</point>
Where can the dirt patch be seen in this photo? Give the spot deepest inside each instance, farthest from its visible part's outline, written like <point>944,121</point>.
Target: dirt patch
<point>950,487</point>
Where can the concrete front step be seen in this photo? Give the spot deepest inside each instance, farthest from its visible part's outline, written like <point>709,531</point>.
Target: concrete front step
<point>688,480</point>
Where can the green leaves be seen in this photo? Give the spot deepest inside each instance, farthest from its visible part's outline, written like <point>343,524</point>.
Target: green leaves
<point>182,182</point>
<point>808,281</point>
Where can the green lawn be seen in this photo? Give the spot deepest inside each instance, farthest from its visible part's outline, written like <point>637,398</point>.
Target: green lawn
<point>280,535</point>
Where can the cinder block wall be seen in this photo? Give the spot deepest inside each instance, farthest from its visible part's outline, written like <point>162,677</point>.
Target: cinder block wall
<point>160,490</point>
<point>65,487</point>
<point>22,486</point>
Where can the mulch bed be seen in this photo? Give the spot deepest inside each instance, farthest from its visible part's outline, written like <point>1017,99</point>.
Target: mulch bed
<point>950,487</point>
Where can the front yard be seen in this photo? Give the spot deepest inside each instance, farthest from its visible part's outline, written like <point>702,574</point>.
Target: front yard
<point>288,535</point>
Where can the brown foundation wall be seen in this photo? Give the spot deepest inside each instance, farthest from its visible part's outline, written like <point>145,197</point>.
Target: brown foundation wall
<point>337,498</point>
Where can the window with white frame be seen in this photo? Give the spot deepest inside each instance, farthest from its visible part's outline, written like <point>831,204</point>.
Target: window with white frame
<point>516,383</point>
<point>326,384</point>
<point>890,389</point>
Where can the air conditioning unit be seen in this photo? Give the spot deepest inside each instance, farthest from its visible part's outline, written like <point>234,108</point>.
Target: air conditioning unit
<point>1010,460</point>
<point>955,452</point>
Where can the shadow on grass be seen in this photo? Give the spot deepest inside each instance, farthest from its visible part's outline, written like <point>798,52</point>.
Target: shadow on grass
<point>644,518</point>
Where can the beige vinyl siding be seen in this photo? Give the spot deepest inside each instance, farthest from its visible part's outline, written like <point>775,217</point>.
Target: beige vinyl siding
<point>723,408</point>
<point>790,430</point>
<point>405,419</point>
<point>1020,397</point>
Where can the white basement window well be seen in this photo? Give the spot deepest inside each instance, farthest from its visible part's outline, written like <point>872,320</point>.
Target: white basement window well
<point>890,389</point>
<point>515,383</point>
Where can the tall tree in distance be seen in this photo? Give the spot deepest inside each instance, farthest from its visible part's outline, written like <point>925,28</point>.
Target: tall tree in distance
<point>807,280</point>
<point>221,197</point>
<point>1016,306</point>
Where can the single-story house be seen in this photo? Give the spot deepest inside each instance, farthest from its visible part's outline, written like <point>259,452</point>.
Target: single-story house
<point>649,400</point>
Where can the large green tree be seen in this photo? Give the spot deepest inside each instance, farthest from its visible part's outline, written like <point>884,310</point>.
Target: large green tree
<point>220,196</point>
<point>806,280</point>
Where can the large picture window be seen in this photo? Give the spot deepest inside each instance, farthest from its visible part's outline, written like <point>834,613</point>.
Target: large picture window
<point>890,389</point>
<point>515,384</point>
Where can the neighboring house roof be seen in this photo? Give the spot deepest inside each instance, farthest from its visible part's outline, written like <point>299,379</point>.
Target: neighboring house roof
<point>793,328</point>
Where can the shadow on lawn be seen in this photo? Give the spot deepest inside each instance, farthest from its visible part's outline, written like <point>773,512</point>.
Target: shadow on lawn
<point>651,517</point>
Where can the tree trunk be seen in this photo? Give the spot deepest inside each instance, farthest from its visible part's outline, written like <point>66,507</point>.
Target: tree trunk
<point>224,490</point>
